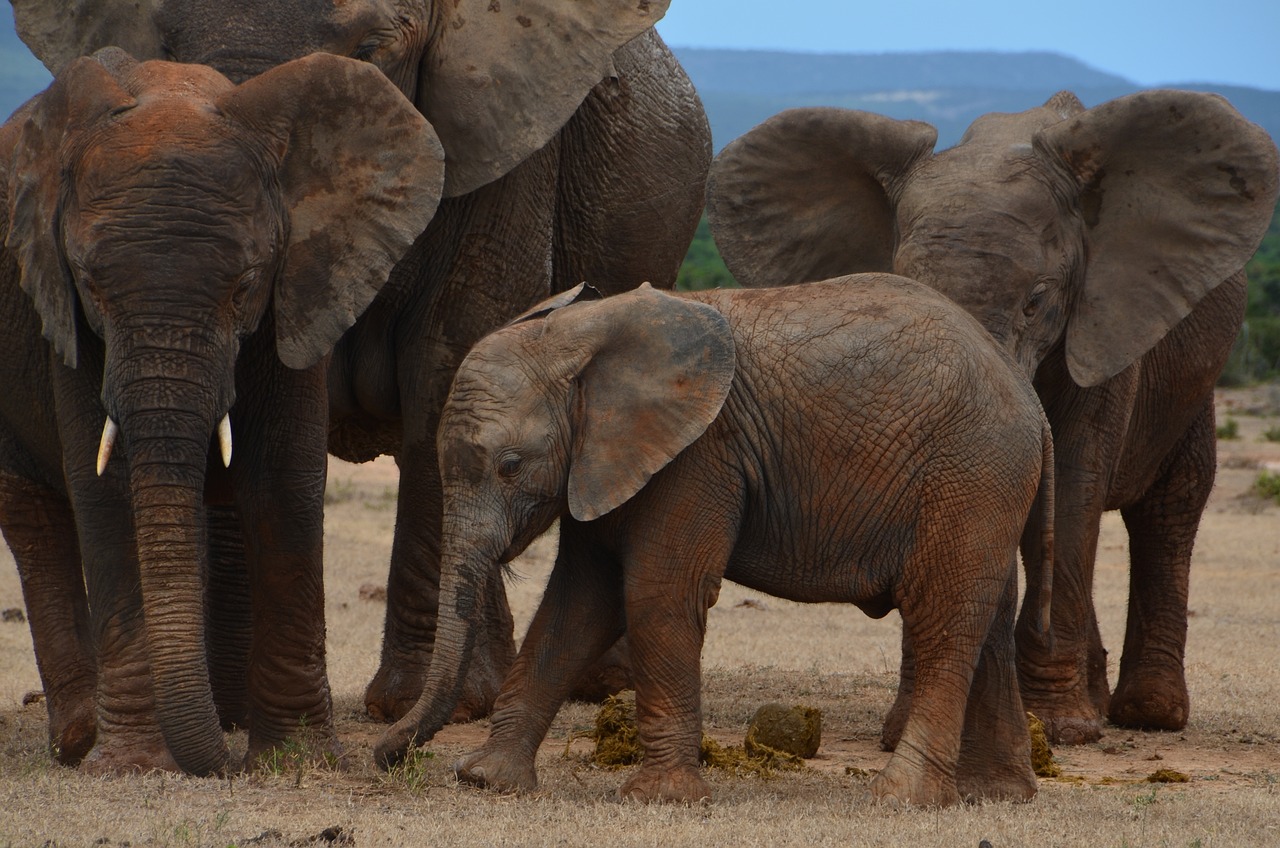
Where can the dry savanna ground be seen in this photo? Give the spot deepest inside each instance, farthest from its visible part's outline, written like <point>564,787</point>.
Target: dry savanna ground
<point>758,649</point>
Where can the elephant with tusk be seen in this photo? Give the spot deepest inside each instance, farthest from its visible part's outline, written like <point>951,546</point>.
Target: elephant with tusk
<point>181,254</point>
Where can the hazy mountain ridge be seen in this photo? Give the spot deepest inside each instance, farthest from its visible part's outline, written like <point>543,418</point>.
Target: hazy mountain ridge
<point>740,88</point>
<point>743,87</point>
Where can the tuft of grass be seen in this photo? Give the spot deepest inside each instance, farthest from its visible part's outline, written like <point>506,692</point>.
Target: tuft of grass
<point>1268,485</point>
<point>411,772</point>
<point>1272,434</point>
<point>1229,429</point>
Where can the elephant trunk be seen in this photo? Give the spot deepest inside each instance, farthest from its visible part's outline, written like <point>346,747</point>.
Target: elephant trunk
<point>462,581</point>
<point>167,428</point>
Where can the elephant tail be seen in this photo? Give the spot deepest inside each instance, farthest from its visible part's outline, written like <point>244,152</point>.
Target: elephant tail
<point>1044,501</point>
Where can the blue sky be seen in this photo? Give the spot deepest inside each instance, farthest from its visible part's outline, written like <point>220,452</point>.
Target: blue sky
<point>1148,41</point>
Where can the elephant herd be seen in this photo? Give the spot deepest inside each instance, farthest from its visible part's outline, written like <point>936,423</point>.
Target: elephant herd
<point>240,236</point>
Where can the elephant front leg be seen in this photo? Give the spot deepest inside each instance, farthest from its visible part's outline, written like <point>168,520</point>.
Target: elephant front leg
<point>41,532</point>
<point>1152,689</point>
<point>580,616</point>
<point>278,472</point>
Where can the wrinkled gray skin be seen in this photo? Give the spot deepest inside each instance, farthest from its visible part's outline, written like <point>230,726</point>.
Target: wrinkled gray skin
<point>189,250</point>
<point>859,440</point>
<point>1103,249</point>
<point>552,116</point>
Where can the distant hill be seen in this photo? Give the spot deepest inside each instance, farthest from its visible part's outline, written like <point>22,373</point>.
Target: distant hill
<point>740,88</point>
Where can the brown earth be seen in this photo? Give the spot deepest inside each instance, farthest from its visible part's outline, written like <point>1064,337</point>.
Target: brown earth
<point>758,649</point>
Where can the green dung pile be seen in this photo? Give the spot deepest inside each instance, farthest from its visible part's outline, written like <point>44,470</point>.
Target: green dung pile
<point>766,750</point>
<point>1041,754</point>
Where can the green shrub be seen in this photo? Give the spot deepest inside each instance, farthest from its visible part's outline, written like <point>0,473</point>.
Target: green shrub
<point>1268,485</point>
<point>1229,429</point>
<point>1272,434</point>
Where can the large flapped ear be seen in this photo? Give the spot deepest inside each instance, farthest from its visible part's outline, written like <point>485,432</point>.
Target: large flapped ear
<point>807,195</point>
<point>501,77</point>
<point>35,142</point>
<point>58,31</point>
<point>1176,192</point>
<point>361,172</point>
<point>658,372</point>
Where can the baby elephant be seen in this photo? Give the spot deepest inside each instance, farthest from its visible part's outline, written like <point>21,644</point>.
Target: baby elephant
<point>860,439</point>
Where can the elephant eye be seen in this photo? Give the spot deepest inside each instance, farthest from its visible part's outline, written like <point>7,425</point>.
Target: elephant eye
<point>1035,299</point>
<point>509,465</point>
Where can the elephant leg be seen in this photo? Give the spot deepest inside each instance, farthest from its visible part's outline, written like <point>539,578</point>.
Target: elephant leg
<point>621,221</point>
<point>891,731</point>
<point>485,258</point>
<point>41,532</point>
<point>922,770</point>
<point>1152,690</point>
<point>1063,679</point>
<point>995,748</point>
<point>580,616</point>
<point>278,474</point>
<point>230,623</point>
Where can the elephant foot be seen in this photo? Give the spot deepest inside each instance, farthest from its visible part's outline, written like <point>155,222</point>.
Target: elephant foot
<point>905,783</point>
<point>392,692</point>
<point>1150,702</point>
<point>72,732</point>
<point>987,779</point>
<point>1069,729</point>
<point>497,771</point>
<point>655,784</point>
<point>115,756</point>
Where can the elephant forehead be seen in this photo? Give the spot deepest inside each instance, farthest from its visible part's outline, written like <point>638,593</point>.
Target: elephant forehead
<point>173,80</point>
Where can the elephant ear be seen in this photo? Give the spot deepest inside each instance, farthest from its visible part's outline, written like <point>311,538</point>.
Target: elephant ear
<point>808,194</point>
<point>580,293</point>
<point>658,371</point>
<point>58,31</point>
<point>1177,190</point>
<point>361,172</point>
<point>34,148</point>
<point>501,77</point>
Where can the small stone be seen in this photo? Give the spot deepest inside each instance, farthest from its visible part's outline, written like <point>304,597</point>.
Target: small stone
<point>13,615</point>
<point>32,697</point>
<point>373,592</point>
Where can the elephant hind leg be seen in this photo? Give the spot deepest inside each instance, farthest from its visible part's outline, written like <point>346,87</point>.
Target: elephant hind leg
<point>995,749</point>
<point>41,532</point>
<point>1152,690</point>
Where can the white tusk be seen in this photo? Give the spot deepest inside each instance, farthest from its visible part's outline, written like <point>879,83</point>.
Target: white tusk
<point>224,439</point>
<point>109,432</point>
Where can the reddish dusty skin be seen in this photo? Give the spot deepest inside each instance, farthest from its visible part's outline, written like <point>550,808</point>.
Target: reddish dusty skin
<point>180,287</point>
<point>859,440</point>
<point>552,159</point>
<point>1103,249</point>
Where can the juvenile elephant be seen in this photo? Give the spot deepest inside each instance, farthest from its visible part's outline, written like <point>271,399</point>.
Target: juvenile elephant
<point>1103,248</point>
<point>577,149</point>
<point>190,251</point>
<point>856,440</point>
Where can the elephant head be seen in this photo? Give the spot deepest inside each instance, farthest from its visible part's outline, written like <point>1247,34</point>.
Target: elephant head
<point>1099,229</point>
<point>571,408</point>
<point>496,78</point>
<point>171,214</point>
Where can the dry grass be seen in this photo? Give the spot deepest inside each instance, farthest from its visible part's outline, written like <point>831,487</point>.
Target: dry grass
<point>758,649</point>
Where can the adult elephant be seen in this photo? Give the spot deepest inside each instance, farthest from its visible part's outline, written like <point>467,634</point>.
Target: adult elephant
<point>577,150</point>
<point>1103,248</point>
<point>190,251</point>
